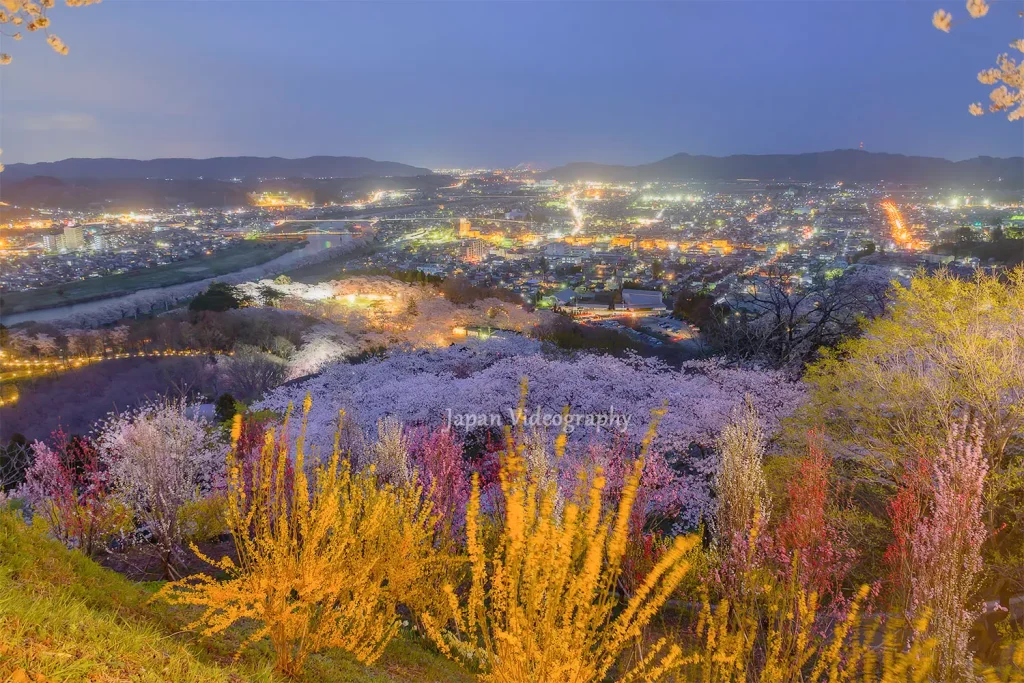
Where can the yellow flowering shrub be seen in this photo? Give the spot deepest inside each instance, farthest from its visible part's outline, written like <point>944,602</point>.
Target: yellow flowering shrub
<point>541,603</point>
<point>776,631</point>
<point>318,567</point>
<point>787,648</point>
<point>204,519</point>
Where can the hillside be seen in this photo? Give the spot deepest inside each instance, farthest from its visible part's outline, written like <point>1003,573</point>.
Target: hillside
<point>217,168</point>
<point>570,481</point>
<point>65,618</point>
<point>848,165</point>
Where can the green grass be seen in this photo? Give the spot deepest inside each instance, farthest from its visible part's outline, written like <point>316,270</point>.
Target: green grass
<point>64,617</point>
<point>241,255</point>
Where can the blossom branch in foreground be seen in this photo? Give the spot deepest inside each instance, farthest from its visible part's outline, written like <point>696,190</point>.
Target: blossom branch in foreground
<point>34,17</point>
<point>1009,95</point>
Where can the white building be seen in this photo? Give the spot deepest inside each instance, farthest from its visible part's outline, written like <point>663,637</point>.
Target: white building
<point>74,238</point>
<point>642,300</point>
<point>53,242</point>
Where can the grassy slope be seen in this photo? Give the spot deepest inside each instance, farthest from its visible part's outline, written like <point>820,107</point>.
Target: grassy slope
<point>243,255</point>
<point>68,619</point>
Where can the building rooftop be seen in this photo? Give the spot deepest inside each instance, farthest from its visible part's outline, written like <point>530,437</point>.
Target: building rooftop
<point>639,298</point>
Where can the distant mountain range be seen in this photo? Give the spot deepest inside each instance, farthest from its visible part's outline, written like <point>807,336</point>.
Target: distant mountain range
<point>217,168</point>
<point>849,165</point>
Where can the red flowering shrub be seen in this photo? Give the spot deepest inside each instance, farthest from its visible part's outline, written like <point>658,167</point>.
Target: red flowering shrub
<point>905,510</point>
<point>68,488</point>
<point>807,540</point>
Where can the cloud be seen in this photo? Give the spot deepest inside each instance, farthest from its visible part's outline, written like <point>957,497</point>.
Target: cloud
<point>59,121</point>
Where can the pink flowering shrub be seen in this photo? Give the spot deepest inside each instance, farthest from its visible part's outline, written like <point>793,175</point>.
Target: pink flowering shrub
<point>946,560</point>
<point>68,487</point>
<point>437,455</point>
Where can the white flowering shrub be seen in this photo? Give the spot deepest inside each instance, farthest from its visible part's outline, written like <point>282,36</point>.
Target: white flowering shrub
<point>161,459</point>
<point>389,454</point>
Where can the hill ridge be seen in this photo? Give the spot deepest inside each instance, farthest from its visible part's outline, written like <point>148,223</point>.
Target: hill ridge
<point>211,168</point>
<point>852,165</point>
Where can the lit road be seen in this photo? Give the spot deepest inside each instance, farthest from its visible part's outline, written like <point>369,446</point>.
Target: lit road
<point>577,213</point>
<point>17,370</point>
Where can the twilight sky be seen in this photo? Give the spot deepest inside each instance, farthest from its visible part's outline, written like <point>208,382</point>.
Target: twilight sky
<point>498,83</point>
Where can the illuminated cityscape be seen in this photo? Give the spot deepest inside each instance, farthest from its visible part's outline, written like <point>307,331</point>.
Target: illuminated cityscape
<point>532,342</point>
<point>534,236</point>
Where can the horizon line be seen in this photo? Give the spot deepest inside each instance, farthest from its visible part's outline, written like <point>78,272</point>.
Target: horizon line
<point>506,166</point>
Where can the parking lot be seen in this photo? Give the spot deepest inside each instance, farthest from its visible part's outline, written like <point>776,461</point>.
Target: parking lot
<point>655,330</point>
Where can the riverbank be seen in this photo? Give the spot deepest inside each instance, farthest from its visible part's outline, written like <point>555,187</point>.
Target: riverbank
<point>107,310</point>
<point>245,254</point>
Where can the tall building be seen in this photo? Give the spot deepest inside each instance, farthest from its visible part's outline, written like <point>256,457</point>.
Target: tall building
<point>475,251</point>
<point>464,227</point>
<point>74,238</point>
<point>53,242</point>
<point>98,243</point>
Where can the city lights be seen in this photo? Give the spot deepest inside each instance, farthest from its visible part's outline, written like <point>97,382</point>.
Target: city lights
<point>901,234</point>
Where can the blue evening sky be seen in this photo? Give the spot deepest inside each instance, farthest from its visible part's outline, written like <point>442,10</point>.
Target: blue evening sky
<point>477,83</point>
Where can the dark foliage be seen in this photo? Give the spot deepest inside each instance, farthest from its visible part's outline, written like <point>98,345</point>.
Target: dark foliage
<point>218,297</point>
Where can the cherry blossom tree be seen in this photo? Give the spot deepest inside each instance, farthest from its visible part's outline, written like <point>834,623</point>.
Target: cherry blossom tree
<point>322,346</point>
<point>161,459</point>
<point>482,378</point>
<point>19,343</point>
<point>44,344</point>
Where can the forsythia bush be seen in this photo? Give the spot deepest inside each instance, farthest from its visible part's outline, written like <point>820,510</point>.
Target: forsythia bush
<point>775,635</point>
<point>317,567</point>
<point>780,633</point>
<point>203,520</point>
<point>541,605</point>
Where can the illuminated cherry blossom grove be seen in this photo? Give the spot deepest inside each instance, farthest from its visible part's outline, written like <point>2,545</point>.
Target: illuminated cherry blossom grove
<point>482,378</point>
